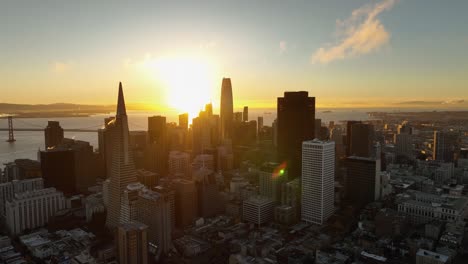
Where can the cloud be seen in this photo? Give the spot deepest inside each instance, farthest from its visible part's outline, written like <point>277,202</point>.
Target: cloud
<point>419,103</point>
<point>447,102</point>
<point>360,34</point>
<point>60,67</point>
<point>283,45</point>
<point>459,101</point>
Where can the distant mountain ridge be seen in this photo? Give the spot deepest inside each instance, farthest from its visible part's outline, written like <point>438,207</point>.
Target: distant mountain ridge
<point>16,108</point>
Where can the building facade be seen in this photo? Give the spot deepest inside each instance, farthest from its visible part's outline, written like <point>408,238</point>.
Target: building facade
<point>122,170</point>
<point>363,180</point>
<point>132,243</point>
<point>258,210</point>
<point>9,189</point>
<point>296,121</point>
<point>226,109</point>
<point>29,210</point>
<point>318,181</point>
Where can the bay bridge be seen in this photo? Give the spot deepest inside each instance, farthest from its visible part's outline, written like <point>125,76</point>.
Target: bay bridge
<point>30,127</point>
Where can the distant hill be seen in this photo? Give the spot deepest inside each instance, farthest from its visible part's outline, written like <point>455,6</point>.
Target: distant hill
<point>63,109</point>
<point>23,108</point>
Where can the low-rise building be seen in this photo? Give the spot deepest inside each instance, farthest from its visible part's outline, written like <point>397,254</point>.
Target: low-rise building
<point>258,210</point>
<point>423,207</point>
<point>9,189</point>
<point>32,209</point>
<point>428,257</point>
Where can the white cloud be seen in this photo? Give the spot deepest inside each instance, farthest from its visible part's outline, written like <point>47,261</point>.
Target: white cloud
<point>361,33</point>
<point>283,45</point>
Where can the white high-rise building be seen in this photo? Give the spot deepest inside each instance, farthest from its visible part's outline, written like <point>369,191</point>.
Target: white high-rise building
<point>318,180</point>
<point>29,210</point>
<point>9,189</point>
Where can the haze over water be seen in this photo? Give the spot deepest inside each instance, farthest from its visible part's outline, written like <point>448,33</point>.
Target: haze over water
<point>28,142</point>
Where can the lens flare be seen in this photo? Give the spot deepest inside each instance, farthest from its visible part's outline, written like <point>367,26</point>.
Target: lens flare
<point>280,170</point>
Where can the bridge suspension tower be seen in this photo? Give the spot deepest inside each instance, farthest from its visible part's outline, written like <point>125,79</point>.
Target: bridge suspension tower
<point>11,136</point>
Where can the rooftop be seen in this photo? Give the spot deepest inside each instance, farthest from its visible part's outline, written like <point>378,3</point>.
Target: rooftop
<point>133,226</point>
<point>430,254</point>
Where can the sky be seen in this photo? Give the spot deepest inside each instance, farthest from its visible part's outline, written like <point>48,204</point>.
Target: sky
<point>353,53</point>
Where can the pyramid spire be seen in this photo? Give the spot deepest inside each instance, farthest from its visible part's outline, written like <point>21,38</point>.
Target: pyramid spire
<point>121,111</point>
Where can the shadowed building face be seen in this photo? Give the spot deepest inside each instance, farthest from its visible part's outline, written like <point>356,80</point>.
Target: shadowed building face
<point>296,118</point>
<point>226,109</point>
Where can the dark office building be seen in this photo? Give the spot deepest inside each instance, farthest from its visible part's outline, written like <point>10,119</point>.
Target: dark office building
<point>186,202</point>
<point>205,131</point>
<point>209,199</point>
<point>105,144</point>
<point>259,123</point>
<point>138,143</point>
<point>363,180</point>
<point>446,145</point>
<point>245,133</point>
<point>156,129</point>
<point>156,154</point>
<point>317,125</point>
<point>53,134</point>
<point>22,169</point>
<point>349,125</point>
<point>361,140</point>
<point>71,166</point>
<point>245,114</point>
<point>296,117</point>
<point>58,169</point>
<point>184,121</point>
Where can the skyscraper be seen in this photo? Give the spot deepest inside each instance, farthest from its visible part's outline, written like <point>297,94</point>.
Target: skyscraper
<point>296,117</point>
<point>186,203</point>
<point>205,130</point>
<point>183,121</point>
<point>132,243</point>
<point>361,140</point>
<point>154,210</point>
<point>157,129</point>
<point>445,145</point>
<point>179,164</point>
<point>105,144</point>
<point>259,124</point>
<point>122,170</point>
<point>404,145</point>
<point>363,180</point>
<point>53,134</point>
<point>271,177</point>
<point>71,166</point>
<point>156,156</point>
<point>349,125</point>
<point>58,169</point>
<point>227,109</point>
<point>245,114</point>
<point>318,180</point>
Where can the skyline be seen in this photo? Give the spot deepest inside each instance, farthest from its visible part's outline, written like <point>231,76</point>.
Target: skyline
<point>352,54</point>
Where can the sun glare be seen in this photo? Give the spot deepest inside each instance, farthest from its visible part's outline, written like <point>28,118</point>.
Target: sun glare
<point>187,81</point>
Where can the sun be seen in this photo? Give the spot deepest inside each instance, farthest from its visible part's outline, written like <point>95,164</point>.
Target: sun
<point>188,82</point>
